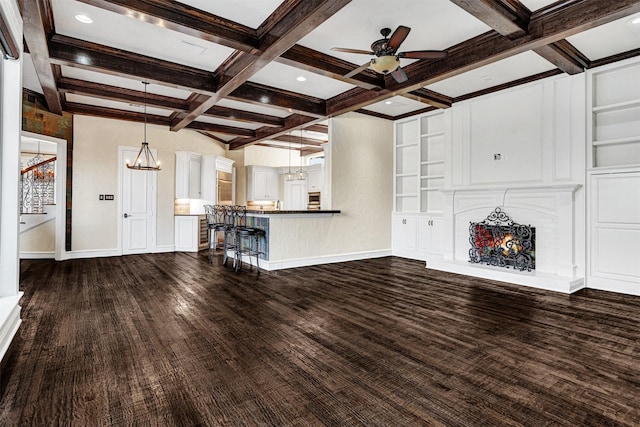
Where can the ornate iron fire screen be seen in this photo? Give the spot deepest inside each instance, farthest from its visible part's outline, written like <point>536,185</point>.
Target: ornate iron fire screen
<point>501,242</point>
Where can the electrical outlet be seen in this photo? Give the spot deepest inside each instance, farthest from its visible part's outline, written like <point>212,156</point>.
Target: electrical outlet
<point>101,197</point>
<point>108,196</point>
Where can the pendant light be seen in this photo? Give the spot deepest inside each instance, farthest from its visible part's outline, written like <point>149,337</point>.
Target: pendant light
<point>301,174</point>
<point>145,160</point>
<point>290,176</point>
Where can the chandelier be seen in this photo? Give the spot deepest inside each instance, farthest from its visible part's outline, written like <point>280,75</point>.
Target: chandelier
<point>145,160</point>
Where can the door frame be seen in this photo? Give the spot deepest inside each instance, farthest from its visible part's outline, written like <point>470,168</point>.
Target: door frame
<point>154,199</point>
<point>60,193</point>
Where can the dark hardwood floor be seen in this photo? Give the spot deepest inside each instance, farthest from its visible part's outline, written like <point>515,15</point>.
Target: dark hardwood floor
<point>169,339</point>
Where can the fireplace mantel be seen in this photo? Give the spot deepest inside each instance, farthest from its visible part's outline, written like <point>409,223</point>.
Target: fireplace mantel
<point>550,208</point>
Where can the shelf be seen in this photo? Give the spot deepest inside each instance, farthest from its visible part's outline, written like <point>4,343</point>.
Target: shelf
<point>616,106</point>
<point>410,144</point>
<point>432,162</point>
<point>617,141</point>
<point>430,134</point>
<point>430,188</point>
<point>432,176</point>
<point>407,195</point>
<point>406,175</point>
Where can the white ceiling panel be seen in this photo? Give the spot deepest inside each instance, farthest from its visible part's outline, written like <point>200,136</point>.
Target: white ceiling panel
<point>285,77</point>
<point>254,108</point>
<point>395,106</point>
<point>358,24</point>
<point>123,82</point>
<point>534,5</point>
<point>82,99</point>
<point>609,39</point>
<point>507,70</point>
<point>251,13</point>
<point>29,75</point>
<point>133,35</point>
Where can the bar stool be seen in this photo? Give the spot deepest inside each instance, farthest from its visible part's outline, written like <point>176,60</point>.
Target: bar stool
<point>215,224</point>
<point>247,240</point>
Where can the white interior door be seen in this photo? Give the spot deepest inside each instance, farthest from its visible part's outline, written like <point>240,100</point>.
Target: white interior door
<point>138,201</point>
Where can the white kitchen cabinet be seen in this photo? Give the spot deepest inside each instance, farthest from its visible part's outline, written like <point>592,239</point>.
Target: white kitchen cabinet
<point>188,175</point>
<point>295,195</point>
<point>190,233</point>
<point>314,178</point>
<point>211,165</point>
<point>404,231</point>
<point>430,235</point>
<point>263,183</point>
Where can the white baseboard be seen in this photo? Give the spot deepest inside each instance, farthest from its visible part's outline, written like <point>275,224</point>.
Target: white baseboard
<point>534,279</point>
<point>9,321</point>
<point>38,255</point>
<point>164,249</point>
<point>326,259</point>
<point>92,253</point>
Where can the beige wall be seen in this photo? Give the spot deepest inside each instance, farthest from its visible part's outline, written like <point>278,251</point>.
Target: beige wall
<point>95,171</point>
<point>361,158</point>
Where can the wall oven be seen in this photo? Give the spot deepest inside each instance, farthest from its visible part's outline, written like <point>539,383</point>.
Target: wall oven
<point>313,201</point>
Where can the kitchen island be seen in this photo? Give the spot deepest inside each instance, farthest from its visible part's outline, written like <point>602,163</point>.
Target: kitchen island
<point>292,237</point>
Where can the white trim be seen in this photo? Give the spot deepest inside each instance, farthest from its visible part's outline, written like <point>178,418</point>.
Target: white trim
<point>534,279</point>
<point>9,321</point>
<point>93,253</point>
<point>325,259</point>
<point>164,249</point>
<point>38,255</point>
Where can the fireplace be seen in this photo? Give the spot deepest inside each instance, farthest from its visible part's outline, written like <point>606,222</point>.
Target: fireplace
<point>498,241</point>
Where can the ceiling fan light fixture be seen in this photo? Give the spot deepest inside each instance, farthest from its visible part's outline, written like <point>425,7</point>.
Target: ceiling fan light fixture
<point>385,64</point>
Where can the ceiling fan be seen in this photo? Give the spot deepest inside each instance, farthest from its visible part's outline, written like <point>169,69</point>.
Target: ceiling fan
<point>387,61</point>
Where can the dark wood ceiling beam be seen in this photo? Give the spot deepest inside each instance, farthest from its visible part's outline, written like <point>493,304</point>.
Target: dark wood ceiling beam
<point>374,114</point>
<point>297,140</point>
<point>355,99</point>
<point>565,56</point>
<point>98,90</point>
<point>214,137</point>
<point>318,63</point>
<point>34,15</point>
<point>317,128</point>
<point>226,130</point>
<point>507,17</point>
<point>185,19</point>
<point>268,96</point>
<point>310,150</point>
<point>298,21</point>
<point>244,116</point>
<point>73,52</point>
<point>113,113</point>
<point>292,122</point>
<point>430,97</point>
<point>562,22</point>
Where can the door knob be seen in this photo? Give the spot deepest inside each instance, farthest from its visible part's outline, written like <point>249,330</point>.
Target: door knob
<point>126,215</point>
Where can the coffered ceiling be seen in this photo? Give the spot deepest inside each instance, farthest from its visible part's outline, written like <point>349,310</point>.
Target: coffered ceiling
<point>246,71</point>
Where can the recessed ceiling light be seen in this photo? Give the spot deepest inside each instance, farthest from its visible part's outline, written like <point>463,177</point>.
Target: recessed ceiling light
<point>636,20</point>
<point>301,78</point>
<point>84,19</point>
<point>486,78</point>
<point>388,102</point>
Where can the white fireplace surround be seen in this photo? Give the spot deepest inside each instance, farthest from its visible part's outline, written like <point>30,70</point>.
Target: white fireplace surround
<point>549,208</point>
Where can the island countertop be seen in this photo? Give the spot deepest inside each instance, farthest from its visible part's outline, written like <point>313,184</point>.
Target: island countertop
<point>291,212</point>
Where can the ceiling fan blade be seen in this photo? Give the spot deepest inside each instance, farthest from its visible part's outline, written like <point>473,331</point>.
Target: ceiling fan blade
<point>398,37</point>
<point>358,70</point>
<point>399,75</point>
<point>347,50</point>
<point>423,54</point>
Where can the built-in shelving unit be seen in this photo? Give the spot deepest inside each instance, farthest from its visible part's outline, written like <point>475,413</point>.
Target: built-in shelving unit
<point>614,122</point>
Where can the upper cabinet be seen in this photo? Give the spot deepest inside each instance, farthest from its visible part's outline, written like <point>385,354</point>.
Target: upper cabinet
<point>188,175</point>
<point>314,178</point>
<point>613,127</point>
<point>419,162</point>
<point>263,183</point>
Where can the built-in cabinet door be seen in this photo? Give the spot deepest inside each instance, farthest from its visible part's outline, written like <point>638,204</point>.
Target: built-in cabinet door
<point>295,195</point>
<point>188,176</point>
<point>273,186</point>
<point>404,230</point>
<point>195,163</point>
<point>314,180</point>
<point>260,185</point>
<point>263,183</point>
<point>187,236</point>
<point>615,232</point>
<point>430,235</point>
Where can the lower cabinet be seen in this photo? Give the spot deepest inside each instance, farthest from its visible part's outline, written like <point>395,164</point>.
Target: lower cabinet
<point>190,233</point>
<point>404,235</point>
<point>417,236</point>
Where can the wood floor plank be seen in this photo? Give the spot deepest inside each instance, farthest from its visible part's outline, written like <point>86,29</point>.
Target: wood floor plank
<point>173,340</point>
